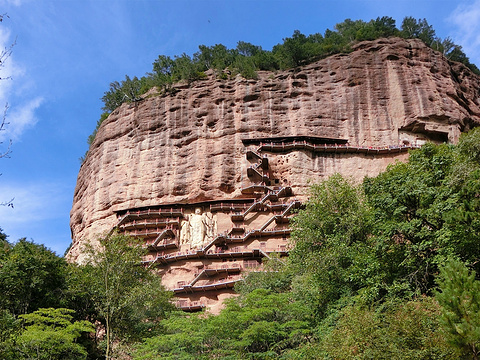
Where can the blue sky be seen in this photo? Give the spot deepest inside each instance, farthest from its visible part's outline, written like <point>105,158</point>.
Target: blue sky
<point>68,51</point>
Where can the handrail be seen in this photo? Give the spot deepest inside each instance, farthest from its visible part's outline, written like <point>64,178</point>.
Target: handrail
<point>260,185</point>
<point>149,232</point>
<point>205,271</point>
<point>162,235</point>
<point>267,196</point>
<point>285,146</point>
<point>214,240</point>
<point>149,212</point>
<point>189,306</point>
<point>148,223</point>
<point>255,153</point>
<point>188,288</point>
<point>253,169</point>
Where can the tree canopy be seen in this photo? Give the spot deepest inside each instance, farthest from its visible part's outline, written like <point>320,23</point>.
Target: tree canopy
<point>379,270</point>
<point>128,298</point>
<point>387,268</point>
<point>48,308</point>
<point>299,49</point>
<point>31,277</point>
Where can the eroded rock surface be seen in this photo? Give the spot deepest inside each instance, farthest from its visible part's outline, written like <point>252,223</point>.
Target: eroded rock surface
<point>188,148</point>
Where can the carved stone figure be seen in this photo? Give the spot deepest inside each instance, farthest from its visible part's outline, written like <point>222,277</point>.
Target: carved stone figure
<point>211,223</point>
<point>184,232</point>
<point>198,229</point>
<point>208,224</point>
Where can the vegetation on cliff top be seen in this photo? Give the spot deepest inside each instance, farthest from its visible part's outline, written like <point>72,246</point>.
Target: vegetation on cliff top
<point>386,269</point>
<point>295,51</point>
<point>246,59</point>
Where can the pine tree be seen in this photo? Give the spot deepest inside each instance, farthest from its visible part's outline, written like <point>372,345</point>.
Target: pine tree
<point>459,296</point>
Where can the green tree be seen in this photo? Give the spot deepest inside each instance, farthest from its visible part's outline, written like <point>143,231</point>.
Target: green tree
<point>385,26</point>
<point>410,201</point>
<point>266,60</point>
<point>132,88</point>
<point>275,276</point>
<point>400,330</point>
<point>349,30</point>
<point>445,46</point>
<point>4,245</point>
<point>246,67</point>
<point>204,57</point>
<point>459,295</point>
<point>183,338</point>
<point>50,334</point>
<point>222,57</point>
<point>128,90</point>
<point>163,72</point>
<point>216,57</point>
<point>113,98</point>
<point>247,49</point>
<point>389,241</point>
<point>9,328</point>
<point>457,54</point>
<point>31,277</point>
<point>128,298</point>
<point>260,325</point>
<point>185,69</point>
<point>333,254</point>
<point>293,52</point>
<point>334,43</point>
<point>420,29</point>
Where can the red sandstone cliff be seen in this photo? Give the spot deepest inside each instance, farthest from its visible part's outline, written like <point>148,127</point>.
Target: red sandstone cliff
<point>188,147</point>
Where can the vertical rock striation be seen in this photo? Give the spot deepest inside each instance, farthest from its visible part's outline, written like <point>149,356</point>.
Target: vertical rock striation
<point>191,147</point>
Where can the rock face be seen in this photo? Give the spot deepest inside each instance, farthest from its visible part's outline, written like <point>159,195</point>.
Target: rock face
<point>204,145</point>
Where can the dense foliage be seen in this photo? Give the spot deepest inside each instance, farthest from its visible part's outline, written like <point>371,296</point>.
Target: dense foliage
<point>50,309</point>
<point>385,269</point>
<point>50,334</point>
<point>378,270</point>
<point>246,59</point>
<point>127,297</point>
<point>31,277</point>
<point>460,301</point>
<point>262,324</point>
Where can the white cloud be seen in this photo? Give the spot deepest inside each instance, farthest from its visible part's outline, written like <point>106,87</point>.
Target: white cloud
<point>33,202</point>
<point>21,115</point>
<point>466,19</point>
<point>11,2</point>
<point>21,119</point>
<point>38,213</point>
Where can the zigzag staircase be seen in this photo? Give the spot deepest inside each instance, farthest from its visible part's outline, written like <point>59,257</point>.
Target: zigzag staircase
<point>233,245</point>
